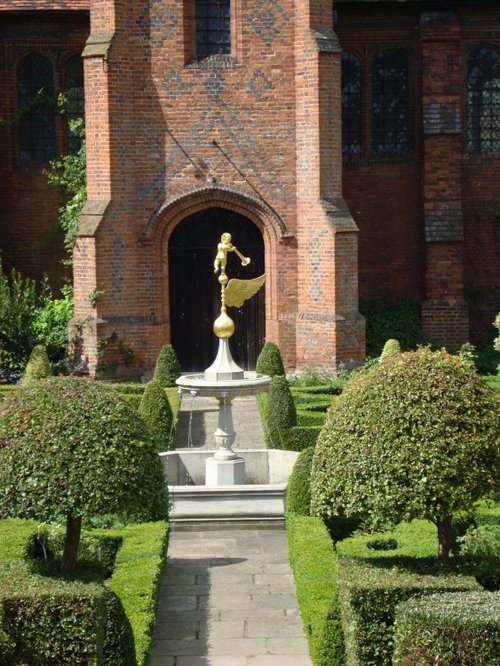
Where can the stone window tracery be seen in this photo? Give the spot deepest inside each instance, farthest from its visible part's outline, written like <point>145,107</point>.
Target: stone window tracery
<point>483,101</point>
<point>36,100</point>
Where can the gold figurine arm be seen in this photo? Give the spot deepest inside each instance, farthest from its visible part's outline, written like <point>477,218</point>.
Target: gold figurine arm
<point>238,291</point>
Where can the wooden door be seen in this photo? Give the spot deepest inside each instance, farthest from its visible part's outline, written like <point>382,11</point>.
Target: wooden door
<point>195,292</point>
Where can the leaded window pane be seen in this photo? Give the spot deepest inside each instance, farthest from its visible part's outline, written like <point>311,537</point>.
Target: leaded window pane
<point>37,126</point>
<point>76,98</point>
<point>351,105</point>
<point>390,104</point>
<point>483,101</point>
<point>213,27</point>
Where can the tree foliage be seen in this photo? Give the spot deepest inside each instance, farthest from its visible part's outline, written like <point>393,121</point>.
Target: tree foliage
<point>69,446</point>
<point>415,437</point>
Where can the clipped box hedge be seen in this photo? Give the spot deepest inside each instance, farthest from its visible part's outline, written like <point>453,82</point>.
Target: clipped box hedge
<point>313,403</point>
<point>55,622</point>
<point>454,629</point>
<point>369,592</point>
<point>297,438</point>
<point>306,418</point>
<point>6,390</point>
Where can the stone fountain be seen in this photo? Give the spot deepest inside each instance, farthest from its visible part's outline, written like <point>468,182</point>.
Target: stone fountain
<point>224,492</point>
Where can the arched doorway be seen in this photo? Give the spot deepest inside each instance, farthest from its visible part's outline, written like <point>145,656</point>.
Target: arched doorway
<point>195,292</point>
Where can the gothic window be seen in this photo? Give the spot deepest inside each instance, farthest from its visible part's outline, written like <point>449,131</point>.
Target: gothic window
<point>76,101</point>
<point>213,27</point>
<point>390,104</point>
<point>351,104</point>
<point>483,101</point>
<point>37,126</point>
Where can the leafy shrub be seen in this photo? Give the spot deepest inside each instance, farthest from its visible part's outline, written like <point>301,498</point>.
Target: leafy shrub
<point>454,629</point>
<point>415,437</point>
<point>85,621</point>
<point>38,366</point>
<point>269,361</point>
<point>315,403</point>
<point>481,544</point>
<point>133,399</point>
<point>298,497</point>
<point>51,326</point>
<point>304,390</point>
<point>308,418</point>
<point>387,319</point>
<point>314,567</point>
<point>157,414</point>
<point>129,389</point>
<point>6,390</point>
<point>297,438</point>
<point>280,411</point>
<point>391,348</point>
<point>73,447</point>
<point>19,307</point>
<point>369,592</point>
<point>382,544</point>
<point>167,368</point>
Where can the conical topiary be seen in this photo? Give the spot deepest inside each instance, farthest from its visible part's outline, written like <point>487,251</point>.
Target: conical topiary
<point>156,413</point>
<point>391,348</point>
<point>38,366</point>
<point>167,368</point>
<point>269,361</point>
<point>280,411</point>
<point>298,494</point>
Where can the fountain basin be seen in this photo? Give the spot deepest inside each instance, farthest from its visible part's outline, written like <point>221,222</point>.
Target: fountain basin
<point>261,499</point>
<point>251,384</point>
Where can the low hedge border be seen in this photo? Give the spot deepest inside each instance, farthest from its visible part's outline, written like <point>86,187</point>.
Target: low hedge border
<point>317,403</point>
<point>321,389</point>
<point>136,576</point>
<point>306,418</point>
<point>453,629</point>
<point>369,592</point>
<point>85,621</point>
<point>314,566</point>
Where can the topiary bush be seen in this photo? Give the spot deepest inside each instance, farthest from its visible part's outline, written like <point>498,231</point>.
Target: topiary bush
<point>453,629</point>
<point>38,366</point>
<point>391,348</point>
<point>298,496</point>
<point>269,361</point>
<point>157,414</point>
<point>72,447</point>
<point>46,621</point>
<point>167,368</point>
<point>415,437</point>
<point>280,413</point>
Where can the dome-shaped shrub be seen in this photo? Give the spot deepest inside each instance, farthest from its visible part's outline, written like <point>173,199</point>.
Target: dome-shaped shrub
<point>167,368</point>
<point>73,447</point>
<point>157,414</point>
<point>269,361</point>
<point>280,410</point>
<point>391,348</point>
<point>298,495</point>
<point>38,366</point>
<point>415,437</point>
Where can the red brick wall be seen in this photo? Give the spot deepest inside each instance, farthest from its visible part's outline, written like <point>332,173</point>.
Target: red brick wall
<point>29,238</point>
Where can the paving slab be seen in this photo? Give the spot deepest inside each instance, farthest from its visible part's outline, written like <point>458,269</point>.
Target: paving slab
<point>228,598</point>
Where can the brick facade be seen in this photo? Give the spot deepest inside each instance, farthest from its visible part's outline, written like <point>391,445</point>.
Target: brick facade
<point>259,132</point>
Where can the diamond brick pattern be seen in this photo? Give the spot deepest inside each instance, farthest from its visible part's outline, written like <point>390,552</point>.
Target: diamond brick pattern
<point>157,21</point>
<point>173,85</point>
<point>268,20</point>
<point>259,84</point>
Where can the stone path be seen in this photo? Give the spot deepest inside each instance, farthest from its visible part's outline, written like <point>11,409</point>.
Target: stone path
<point>228,599</point>
<point>246,419</point>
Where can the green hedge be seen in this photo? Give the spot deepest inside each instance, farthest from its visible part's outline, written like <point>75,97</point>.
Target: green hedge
<point>297,438</point>
<point>314,567</point>
<point>6,390</point>
<point>307,418</point>
<point>369,592</point>
<point>332,388</point>
<point>85,622</point>
<point>136,576</point>
<point>298,492</point>
<point>316,403</point>
<point>133,398</point>
<point>127,389</point>
<point>454,629</point>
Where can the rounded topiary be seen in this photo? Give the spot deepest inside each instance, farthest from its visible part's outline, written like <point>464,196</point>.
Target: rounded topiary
<point>157,414</point>
<point>38,366</point>
<point>391,348</point>
<point>298,496</point>
<point>280,410</point>
<point>71,446</point>
<point>167,368</point>
<point>269,361</point>
<point>416,437</point>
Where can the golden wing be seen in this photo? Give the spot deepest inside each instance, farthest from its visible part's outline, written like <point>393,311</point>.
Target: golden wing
<point>238,291</point>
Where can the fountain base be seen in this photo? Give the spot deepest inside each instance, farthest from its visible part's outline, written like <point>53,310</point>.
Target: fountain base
<point>224,472</point>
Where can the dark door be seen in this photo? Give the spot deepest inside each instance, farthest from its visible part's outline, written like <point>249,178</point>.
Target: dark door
<point>195,292</point>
